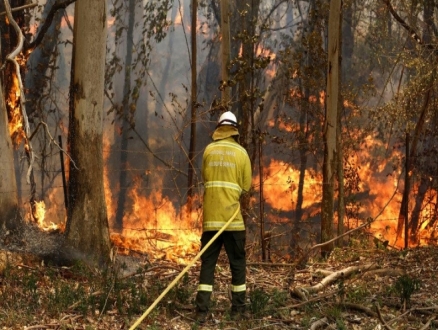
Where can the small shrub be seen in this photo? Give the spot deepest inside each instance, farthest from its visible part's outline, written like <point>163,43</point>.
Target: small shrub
<point>405,286</point>
<point>62,297</point>
<point>258,301</point>
<point>279,298</point>
<point>356,294</point>
<point>334,313</point>
<point>183,292</point>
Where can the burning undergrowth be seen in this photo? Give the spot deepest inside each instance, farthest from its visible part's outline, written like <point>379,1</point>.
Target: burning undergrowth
<point>147,211</point>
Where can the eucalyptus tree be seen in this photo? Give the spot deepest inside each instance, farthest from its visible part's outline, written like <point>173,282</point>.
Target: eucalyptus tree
<point>87,232</point>
<point>191,171</point>
<point>330,125</point>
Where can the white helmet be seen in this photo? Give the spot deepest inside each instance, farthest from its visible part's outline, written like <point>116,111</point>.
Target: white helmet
<point>227,118</point>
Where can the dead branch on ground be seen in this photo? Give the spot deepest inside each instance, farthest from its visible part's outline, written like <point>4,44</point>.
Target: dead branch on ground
<point>385,325</point>
<point>303,292</point>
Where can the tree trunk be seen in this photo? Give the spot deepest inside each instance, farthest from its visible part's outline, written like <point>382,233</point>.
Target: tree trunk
<point>87,233</point>
<point>193,119</point>
<point>340,175</point>
<point>39,62</point>
<point>303,137</point>
<point>120,208</point>
<point>330,129</point>
<point>423,187</point>
<point>246,90</point>
<point>225,51</point>
<point>347,38</point>
<point>246,85</point>
<point>9,214</point>
<point>413,151</point>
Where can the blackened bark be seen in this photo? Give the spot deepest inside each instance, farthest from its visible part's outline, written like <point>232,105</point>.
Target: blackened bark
<point>424,186</point>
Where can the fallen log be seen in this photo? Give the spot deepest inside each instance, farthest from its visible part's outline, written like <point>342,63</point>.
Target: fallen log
<point>304,292</point>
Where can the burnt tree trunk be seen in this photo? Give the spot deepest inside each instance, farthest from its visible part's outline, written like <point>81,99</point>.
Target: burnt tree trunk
<point>340,175</point>
<point>8,186</point>
<point>303,135</point>
<point>413,151</point>
<point>246,86</point>
<point>87,233</point>
<point>416,212</point>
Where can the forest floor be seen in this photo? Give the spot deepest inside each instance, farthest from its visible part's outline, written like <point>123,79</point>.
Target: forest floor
<point>357,287</point>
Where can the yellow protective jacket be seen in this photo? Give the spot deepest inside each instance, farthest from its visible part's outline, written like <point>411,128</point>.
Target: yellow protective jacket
<point>226,171</point>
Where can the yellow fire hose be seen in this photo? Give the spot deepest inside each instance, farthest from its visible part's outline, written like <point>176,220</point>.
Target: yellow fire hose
<point>171,285</point>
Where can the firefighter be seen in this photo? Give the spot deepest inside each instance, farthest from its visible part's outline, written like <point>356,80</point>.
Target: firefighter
<point>226,171</point>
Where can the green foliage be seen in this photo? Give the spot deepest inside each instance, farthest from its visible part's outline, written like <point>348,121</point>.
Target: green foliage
<point>259,301</point>
<point>335,313</point>
<point>340,325</point>
<point>180,293</point>
<point>62,296</point>
<point>279,298</point>
<point>76,289</point>
<point>356,293</point>
<point>405,286</point>
<point>358,242</point>
<point>30,288</point>
<point>344,254</point>
<point>183,292</point>
<point>311,312</point>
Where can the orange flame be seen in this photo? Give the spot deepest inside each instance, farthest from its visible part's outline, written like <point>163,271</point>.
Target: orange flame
<point>280,186</point>
<point>16,120</point>
<point>151,224</point>
<point>39,214</point>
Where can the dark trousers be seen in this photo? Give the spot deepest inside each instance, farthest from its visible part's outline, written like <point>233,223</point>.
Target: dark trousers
<point>234,243</point>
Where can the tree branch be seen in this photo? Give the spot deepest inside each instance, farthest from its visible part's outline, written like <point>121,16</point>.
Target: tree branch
<point>411,31</point>
<point>304,257</point>
<point>13,10</point>
<point>385,325</point>
<point>47,22</point>
<point>12,57</point>
<point>303,292</point>
<point>144,142</point>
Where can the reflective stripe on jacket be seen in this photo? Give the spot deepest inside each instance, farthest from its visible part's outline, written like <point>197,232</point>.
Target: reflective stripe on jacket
<point>226,170</point>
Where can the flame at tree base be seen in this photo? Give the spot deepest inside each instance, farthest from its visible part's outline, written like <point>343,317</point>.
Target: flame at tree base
<point>38,215</point>
<point>158,245</point>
